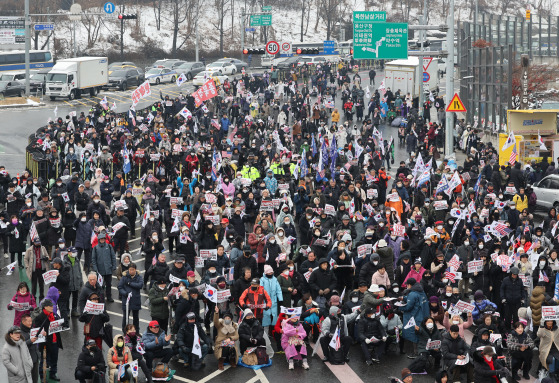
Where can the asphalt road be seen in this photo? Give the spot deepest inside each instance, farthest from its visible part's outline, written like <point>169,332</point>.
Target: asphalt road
<point>20,123</point>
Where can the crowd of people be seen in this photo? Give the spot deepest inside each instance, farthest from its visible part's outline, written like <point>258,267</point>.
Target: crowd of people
<point>269,223</point>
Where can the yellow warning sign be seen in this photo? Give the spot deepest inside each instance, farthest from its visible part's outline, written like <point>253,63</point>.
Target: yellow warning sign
<point>456,105</point>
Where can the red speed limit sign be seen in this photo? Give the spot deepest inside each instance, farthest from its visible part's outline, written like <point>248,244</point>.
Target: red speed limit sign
<point>272,47</point>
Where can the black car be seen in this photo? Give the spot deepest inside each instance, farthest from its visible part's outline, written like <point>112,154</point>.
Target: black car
<point>289,63</point>
<point>123,78</point>
<point>12,89</point>
<point>38,80</point>
<point>190,69</point>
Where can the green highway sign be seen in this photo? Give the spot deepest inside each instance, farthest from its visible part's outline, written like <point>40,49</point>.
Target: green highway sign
<point>380,41</point>
<point>260,20</point>
<point>360,16</point>
<point>266,8</point>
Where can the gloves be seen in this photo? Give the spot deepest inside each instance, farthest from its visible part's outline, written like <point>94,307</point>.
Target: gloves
<point>384,339</point>
<point>253,341</point>
<point>368,341</point>
<point>504,301</point>
<point>320,292</point>
<point>326,291</point>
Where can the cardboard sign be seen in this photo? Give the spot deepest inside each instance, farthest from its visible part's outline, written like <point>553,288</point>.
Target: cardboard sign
<point>137,191</point>
<point>56,326</point>
<point>494,337</point>
<point>23,306</point>
<point>267,205</point>
<point>50,276</point>
<point>144,90</point>
<point>364,249</point>
<point>120,203</point>
<point>475,266</point>
<point>393,197</point>
<point>277,203</point>
<point>433,345</point>
<point>175,200</point>
<point>283,187</point>
<point>174,279</point>
<point>223,295</point>
<point>321,242</point>
<point>213,218</point>
<point>246,181</point>
<point>198,262</point>
<point>550,313</point>
<point>440,205</point>
<point>176,213</point>
<point>329,210</point>
<point>94,308</point>
<point>34,333</point>
<point>372,193</point>
<point>464,307</point>
<point>525,279</point>
<point>208,254</point>
<point>155,157</point>
<point>399,230</point>
<point>211,198</point>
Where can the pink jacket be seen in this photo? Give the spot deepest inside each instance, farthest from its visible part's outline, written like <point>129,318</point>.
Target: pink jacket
<point>288,331</point>
<point>228,190</point>
<point>414,274</point>
<point>463,325</point>
<point>380,279</point>
<point>22,299</point>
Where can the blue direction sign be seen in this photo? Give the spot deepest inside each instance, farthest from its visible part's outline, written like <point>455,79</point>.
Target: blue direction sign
<point>109,7</point>
<point>44,27</point>
<point>250,29</point>
<point>329,47</point>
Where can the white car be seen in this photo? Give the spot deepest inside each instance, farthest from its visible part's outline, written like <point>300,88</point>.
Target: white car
<point>201,78</point>
<point>159,75</point>
<point>221,68</point>
<point>314,60</point>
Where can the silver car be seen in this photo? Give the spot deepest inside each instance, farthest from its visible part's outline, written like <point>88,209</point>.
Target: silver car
<point>547,191</point>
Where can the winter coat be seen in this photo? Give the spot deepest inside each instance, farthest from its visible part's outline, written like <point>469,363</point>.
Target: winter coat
<point>83,234</point>
<point>425,335</point>
<point>538,299</point>
<point>75,273</point>
<point>33,349</point>
<point>321,280</point>
<point>42,322</point>
<point>86,360</point>
<point>289,331</point>
<point>369,327</point>
<point>387,260</point>
<point>17,360</point>
<point>251,331</point>
<point>158,306</point>
<point>380,279</point>
<point>112,352</point>
<point>86,291</point>
<point>132,285</point>
<point>29,298</point>
<point>483,372</point>
<point>250,299</point>
<point>451,348</point>
<point>29,260</point>
<point>513,290</point>
<point>149,340</point>
<point>103,259</point>
<point>285,284</point>
<point>96,323</point>
<point>480,308</point>
<point>17,245</point>
<point>273,289</point>
<point>219,326</point>
<point>547,339</point>
<point>417,306</point>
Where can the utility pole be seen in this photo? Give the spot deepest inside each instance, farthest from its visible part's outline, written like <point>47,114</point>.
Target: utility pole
<point>196,28</point>
<point>242,30</point>
<point>27,22</point>
<point>122,33</point>
<point>422,35</point>
<point>449,135</point>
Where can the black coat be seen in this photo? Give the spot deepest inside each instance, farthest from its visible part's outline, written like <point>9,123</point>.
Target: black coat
<point>86,291</point>
<point>62,282</point>
<point>185,336</point>
<point>86,360</point>
<point>451,348</point>
<point>513,290</point>
<point>42,321</point>
<point>369,327</point>
<point>243,262</point>
<point>482,371</point>
<point>96,322</point>
<point>322,279</point>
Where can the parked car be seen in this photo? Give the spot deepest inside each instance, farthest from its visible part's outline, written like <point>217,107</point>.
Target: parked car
<point>190,69</point>
<point>123,78</point>
<point>122,63</point>
<point>547,191</point>
<point>311,60</point>
<point>11,76</point>
<point>239,64</point>
<point>165,63</point>
<point>221,68</point>
<point>289,63</point>
<point>13,88</point>
<point>201,78</point>
<point>159,75</point>
<point>38,80</point>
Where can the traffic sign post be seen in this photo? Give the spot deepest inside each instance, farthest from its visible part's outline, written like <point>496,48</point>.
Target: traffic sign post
<point>272,47</point>
<point>426,62</point>
<point>426,77</point>
<point>380,41</point>
<point>329,47</point>
<point>456,104</point>
<point>44,27</point>
<point>285,48</point>
<point>260,20</point>
<point>267,8</point>
<point>109,7</point>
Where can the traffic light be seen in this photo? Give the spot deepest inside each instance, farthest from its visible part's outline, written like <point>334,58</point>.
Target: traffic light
<point>254,51</point>
<point>127,17</point>
<point>307,51</point>
<point>351,51</point>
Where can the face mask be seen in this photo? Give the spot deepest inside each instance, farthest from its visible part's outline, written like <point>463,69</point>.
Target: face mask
<point>211,271</point>
<point>429,325</point>
<point>488,357</point>
<point>309,216</point>
<point>96,200</point>
<point>375,263</point>
<point>455,322</point>
<point>286,272</point>
<point>59,184</point>
<point>227,321</point>
<point>542,264</point>
<point>152,219</point>
<point>28,203</point>
<point>61,246</point>
<point>480,246</point>
<point>14,221</point>
<point>291,269</point>
<point>381,224</point>
<point>272,241</point>
<point>120,344</point>
<point>161,288</point>
<point>254,288</point>
<point>355,299</point>
<point>466,243</point>
<point>132,334</point>
<point>396,289</point>
<point>439,227</point>
<point>280,234</point>
<point>448,294</point>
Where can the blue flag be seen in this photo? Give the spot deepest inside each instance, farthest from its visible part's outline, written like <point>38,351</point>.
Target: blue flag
<point>333,165</point>
<point>324,153</point>
<point>313,147</point>
<point>126,167</point>
<point>556,294</point>
<point>333,146</point>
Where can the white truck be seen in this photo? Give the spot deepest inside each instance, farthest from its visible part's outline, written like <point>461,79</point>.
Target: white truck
<point>407,75</point>
<point>73,77</point>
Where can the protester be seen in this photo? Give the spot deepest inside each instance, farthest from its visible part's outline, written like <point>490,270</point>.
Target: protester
<point>16,357</point>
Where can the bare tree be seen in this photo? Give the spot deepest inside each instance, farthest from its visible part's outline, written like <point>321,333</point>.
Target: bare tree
<point>157,5</point>
<point>91,23</point>
<point>221,7</point>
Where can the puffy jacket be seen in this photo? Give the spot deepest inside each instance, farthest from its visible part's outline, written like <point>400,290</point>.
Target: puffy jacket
<point>253,299</point>
<point>86,360</point>
<point>75,272</point>
<point>425,335</point>
<point>386,255</point>
<point>29,298</point>
<point>103,259</point>
<point>321,280</point>
<point>416,307</point>
<point>83,234</point>
<point>62,282</point>
<point>480,308</point>
<point>483,373</point>
<point>369,327</point>
<point>451,348</point>
<point>132,285</point>
<point>149,340</point>
<point>185,336</point>
<point>513,290</point>
<point>158,306</point>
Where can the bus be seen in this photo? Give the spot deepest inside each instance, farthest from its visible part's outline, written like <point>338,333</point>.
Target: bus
<point>15,60</point>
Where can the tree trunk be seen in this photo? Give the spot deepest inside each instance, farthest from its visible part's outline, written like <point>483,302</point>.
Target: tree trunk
<point>302,17</point>
<point>175,27</point>
<point>221,17</point>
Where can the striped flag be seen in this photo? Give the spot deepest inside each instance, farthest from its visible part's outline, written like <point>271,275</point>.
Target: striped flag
<point>450,276</point>
<point>513,155</point>
<point>543,277</point>
<point>335,343</point>
<point>33,232</point>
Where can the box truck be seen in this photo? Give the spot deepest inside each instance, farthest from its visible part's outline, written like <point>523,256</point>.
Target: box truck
<point>74,77</point>
<point>407,75</point>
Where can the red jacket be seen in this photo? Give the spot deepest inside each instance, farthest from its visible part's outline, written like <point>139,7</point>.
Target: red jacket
<point>257,301</point>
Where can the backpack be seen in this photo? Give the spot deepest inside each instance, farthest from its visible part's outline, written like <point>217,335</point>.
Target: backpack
<point>161,370</point>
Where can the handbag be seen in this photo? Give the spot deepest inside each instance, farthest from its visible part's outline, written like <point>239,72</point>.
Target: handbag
<point>261,355</point>
<point>87,326</point>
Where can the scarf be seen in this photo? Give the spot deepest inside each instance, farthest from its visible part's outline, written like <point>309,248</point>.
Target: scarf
<point>227,329</point>
<point>51,318</point>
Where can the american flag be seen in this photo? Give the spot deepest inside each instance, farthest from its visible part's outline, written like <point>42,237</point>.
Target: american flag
<point>454,262</point>
<point>335,343</point>
<point>526,229</point>
<point>33,232</point>
<point>513,155</point>
<point>543,277</point>
<point>450,276</point>
<point>501,228</point>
